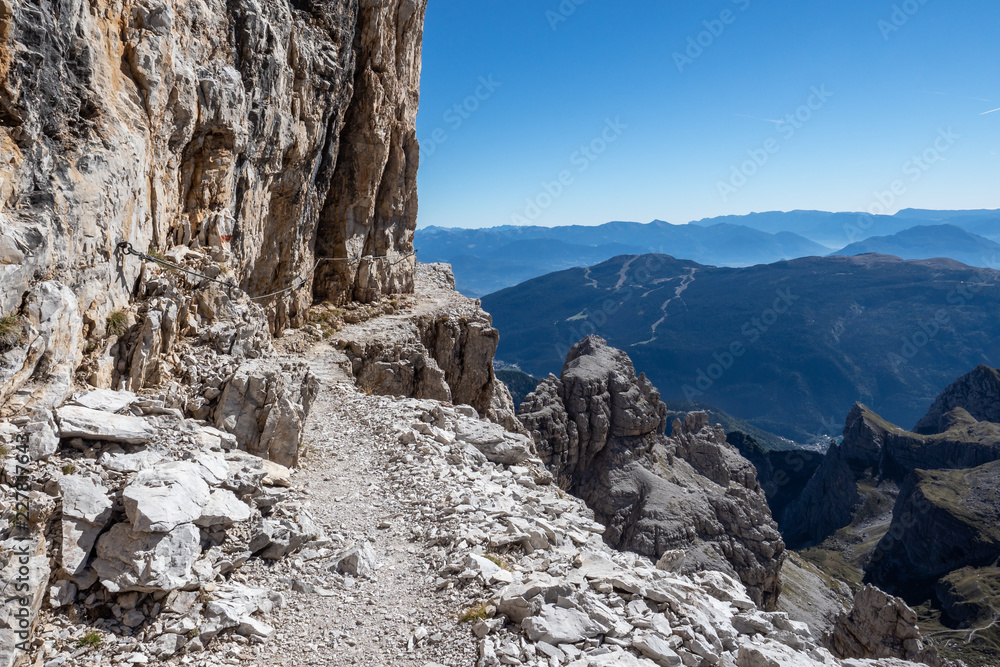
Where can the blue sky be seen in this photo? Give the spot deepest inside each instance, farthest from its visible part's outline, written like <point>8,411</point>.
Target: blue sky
<point>678,111</point>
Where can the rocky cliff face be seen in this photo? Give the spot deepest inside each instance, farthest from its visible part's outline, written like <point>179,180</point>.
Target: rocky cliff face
<point>978,393</point>
<point>262,136</point>
<point>691,498</point>
<point>244,144</point>
<point>885,455</point>
<point>782,474</point>
<point>442,349</point>
<point>888,452</point>
<point>944,520</point>
<point>827,502</point>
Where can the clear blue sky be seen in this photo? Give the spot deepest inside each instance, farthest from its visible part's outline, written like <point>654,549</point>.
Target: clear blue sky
<point>897,81</point>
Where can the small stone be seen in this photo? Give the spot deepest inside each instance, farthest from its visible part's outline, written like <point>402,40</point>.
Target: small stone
<point>358,561</point>
<point>133,618</point>
<point>62,593</point>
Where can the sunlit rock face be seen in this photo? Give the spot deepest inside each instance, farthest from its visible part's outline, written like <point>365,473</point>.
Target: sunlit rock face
<point>262,135</point>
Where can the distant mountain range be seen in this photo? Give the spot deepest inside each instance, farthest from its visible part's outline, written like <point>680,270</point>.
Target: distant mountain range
<point>487,260</point>
<point>788,346</point>
<point>835,230</point>
<point>929,241</point>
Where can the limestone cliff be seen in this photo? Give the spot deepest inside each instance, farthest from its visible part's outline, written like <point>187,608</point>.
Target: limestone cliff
<point>944,520</point>
<point>442,349</point>
<point>977,392</point>
<point>262,135</point>
<point>600,430</point>
<point>882,456</point>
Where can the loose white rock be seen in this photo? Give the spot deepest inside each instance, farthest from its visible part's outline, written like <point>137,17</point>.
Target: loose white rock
<point>165,496</point>
<point>79,422</point>
<point>129,560</point>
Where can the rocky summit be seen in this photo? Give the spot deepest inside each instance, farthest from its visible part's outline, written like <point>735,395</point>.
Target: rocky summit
<point>600,428</point>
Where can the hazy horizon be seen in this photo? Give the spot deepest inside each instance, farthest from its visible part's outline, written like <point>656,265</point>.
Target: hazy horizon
<point>688,222</point>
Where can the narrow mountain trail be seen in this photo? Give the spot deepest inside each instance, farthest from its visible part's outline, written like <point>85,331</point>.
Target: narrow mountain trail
<point>345,484</point>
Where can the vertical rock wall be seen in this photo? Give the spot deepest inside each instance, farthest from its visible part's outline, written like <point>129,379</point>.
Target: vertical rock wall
<point>371,210</point>
<point>258,132</point>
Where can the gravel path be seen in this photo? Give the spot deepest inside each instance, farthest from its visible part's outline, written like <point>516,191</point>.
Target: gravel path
<point>346,483</point>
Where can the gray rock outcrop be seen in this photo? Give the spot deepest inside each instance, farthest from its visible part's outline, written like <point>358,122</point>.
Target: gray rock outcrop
<point>599,429</point>
<point>443,350</point>
<point>265,407</point>
<point>880,626</point>
<point>978,393</point>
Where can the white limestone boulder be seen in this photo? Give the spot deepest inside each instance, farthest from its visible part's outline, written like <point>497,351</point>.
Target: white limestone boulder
<point>104,400</point>
<point>557,625</point>
<point>42,439</point>
<point>166,495</point>
<point>79,422</point>
<point>131,560</point>
<point>359,561</point>
<point>496,443</point>
<point>656,648</point>
<point>223,509</point>
<point>86,511</point>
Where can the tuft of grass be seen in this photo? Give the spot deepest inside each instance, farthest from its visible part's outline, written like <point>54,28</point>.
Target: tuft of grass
<point>4,451</point>
<point>11,331</point>
<point>91,640</point>
<point>117,323</point>
<point>367,387</point>
<point>563,483</point>
<point>68,469</point>
<point>477,613</point>
<point>499,561</point>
